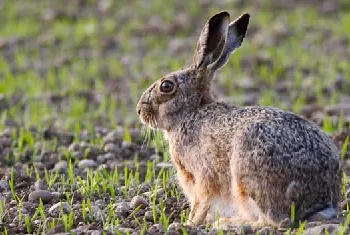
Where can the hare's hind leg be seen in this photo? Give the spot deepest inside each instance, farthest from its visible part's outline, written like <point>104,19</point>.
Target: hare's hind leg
<point>247,209</point>
<point>201,204</point>
<point>199,210</point>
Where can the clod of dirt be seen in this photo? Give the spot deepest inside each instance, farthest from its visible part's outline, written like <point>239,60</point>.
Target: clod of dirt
<point>87,163</point>
<point>44,195</point>
<point>60,206</point>
<point>138,201</point>
<point>331,229</point>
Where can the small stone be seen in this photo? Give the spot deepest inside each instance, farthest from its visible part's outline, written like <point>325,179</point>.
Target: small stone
<point>138,201</point>
<point>36,222</point>
<point>44,195</point>
<point>286,223</point>
<point>61,166</point>
<point>60,206</point>
<point>6,133</point>
<point>87,163</point>
<point>125,230</point>
<point>96,211</point>
<point>4,185</point>
<point>246,229</point>
<point>149,216</point>
<point>156,228</point>
<point>73,147</point>
<point>323,229</point>
<point>100,203</point>
<point>123,208</point>
<point>95,232</point>
<point>265,231</point>
<point>40,185</point>
<point>114,137</point>
<point>105,157</point>
<point>78,155</point>
<point>24,211</point>
<point>13,203</point>
<point>56,196</point>
<point>127,144</point>
<point>111,148</point>
<point>312,224</point>
<point>174,226</point>
<point>165,165</point>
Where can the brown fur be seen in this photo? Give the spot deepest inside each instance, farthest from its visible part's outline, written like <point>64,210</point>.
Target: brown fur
<point>249,164</point>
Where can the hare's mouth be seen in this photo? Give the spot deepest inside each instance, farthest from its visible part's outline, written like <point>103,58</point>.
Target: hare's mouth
<point>147,116</point>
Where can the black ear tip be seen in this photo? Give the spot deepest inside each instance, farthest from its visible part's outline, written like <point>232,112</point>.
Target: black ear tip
<point>220,16</point>
<point>242,23</point>
<point>245,15</point>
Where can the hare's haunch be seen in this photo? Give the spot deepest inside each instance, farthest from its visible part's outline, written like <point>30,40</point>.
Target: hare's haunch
<point>245,164</point>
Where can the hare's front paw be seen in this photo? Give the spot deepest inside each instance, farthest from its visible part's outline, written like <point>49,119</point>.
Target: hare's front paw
<point>225,223</point>
<point>189,223</point>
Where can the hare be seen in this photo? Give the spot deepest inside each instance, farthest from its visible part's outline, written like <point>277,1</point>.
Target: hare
<point>248,165</point>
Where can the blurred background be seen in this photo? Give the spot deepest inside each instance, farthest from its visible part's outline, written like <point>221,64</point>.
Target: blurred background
<point>87,62</point>
<point>72,71</point>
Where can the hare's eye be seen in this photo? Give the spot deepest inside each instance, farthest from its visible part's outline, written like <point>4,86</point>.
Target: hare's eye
<point>166,86</point>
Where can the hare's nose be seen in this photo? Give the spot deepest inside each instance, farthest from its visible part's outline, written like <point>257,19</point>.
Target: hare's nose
<point>139,106</point>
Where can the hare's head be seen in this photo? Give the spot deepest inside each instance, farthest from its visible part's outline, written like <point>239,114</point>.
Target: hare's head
<point>177,94</point>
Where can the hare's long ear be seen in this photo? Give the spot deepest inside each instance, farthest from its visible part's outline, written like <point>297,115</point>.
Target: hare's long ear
<point>235,36</point>
<point>212,40</point>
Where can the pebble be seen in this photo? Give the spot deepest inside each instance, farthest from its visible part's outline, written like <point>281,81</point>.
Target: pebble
<point>323,229</point>
<point>125,230</point>
<point>123,208</point>
<point>13,203</point>
<point>111,148</point>
<point>165,165</point>
<point>87,163</point>
<point>149,215</point>
<point>4,185</point>
<point>36,222</point>
<point>265,231</point>
<point>246,229</point>
<point>105,157</point>
<point>100,203</point>
<point>60,206</point>
<point>40,185</point>
<point>73,147</point>
<point>286,223</point>
<point>114,137</point>
<point>6,133</point>
<point>156,228</point>
<point>24,211</point>
<point>94,232</point>
<point>96,211</point>
<point>61,166</point>
<point>138,201</point>
<point>78,155</point>
<point>174,226</point>
<point>44,195</point>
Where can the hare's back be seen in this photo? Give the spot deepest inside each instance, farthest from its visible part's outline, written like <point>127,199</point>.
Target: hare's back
<point>277,137</point>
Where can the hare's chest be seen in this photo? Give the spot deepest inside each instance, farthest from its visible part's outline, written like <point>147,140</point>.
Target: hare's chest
<point>182,167</point>
<point>185,176</point>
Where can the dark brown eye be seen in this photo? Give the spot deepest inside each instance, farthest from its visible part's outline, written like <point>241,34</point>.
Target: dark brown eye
<point>166,86</point>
